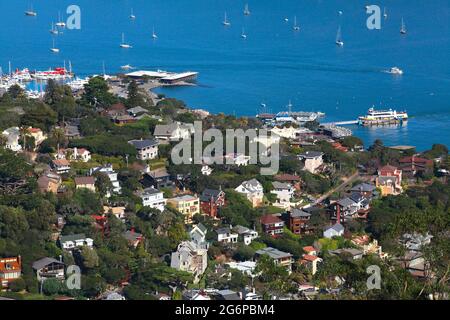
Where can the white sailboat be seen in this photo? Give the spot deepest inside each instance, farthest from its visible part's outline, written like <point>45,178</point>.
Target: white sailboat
<point>225,20</point>
<point>30,12</point>
<point>154,35</point>
<point>243,35</point>
<point>123,44</point>
<point>53,30</point>
<point>385,15</point>
<point>339,41</point>
<point>60,23</point>
<point>53,48</point>
<point>296,27</point>
<point>246,10</point>
<point>126,67</point>
<point>132,16</point>
<point>403,27</point>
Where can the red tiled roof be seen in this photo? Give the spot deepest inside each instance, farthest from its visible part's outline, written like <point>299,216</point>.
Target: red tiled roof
<point>269,219</point>
<point>309,249</point>
<point>61,162</point>
<point>12,264</point>
<point>310,258</point>
<point>84,180</point>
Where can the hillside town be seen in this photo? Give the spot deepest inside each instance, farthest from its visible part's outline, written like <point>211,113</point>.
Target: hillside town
<point>87,183</point>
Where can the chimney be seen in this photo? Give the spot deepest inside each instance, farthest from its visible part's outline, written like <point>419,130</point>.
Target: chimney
<point>338,213</point>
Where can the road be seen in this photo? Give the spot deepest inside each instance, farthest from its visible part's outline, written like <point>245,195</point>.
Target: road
<point>348,181</point>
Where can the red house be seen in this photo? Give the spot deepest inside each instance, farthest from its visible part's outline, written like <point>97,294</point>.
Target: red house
<point>211,200</point>
<point>272,225</point>
<point>289,178</point>
<point>389,180</point>
<point>10,270</point>
<point>414,165</point>
<point>296,220</point>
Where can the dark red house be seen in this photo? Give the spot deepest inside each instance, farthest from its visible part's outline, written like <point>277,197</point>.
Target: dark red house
<point>272,225</point>
<point>211,200</point>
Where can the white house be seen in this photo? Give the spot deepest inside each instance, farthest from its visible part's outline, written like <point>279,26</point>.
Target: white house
<point>174,131</point>
<point>190,258</point>
<point>206,170</point>
<point>335,230</point>
<point>237,159</point>
<point>75,241</point>
<point>289,132</point>
<point>81,154</point>
<point>12,136</point>
<point>153,198</point>
<point>112,175</point>
<point>247,235</point>
<point>312,159</point>
<point>146,149</point>
<point>197,234</point>
<point>225,235</point>
<point>284,192</point>
<point>253,190</point>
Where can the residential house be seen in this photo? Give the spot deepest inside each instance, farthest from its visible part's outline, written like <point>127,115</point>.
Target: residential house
<point>158,179</point>
<point>415,241</point>
<point>190,258</point>
<point>311,262</point>
<point>81,154</point>
<point>228,295</point>
<point>117,109</point>
<point>414,165</point>
<point>284,192</point>
<point>112,175</point>
<point>49,268</point>
<point>313,160</point>
<point>414,262</point>
<point>136,111</point>
<point>206,170</point>
<point>310,250</point>
<point>197,234</point>
<point>37,134</point>
<point>146,149</point>
<point>245,234</point>
<point>49,182</point>
<point>75,241</point>
<point>236,159</point>
<point>134,238</point>
<point>118,212</point>
<point>279,257</point>
<point>353,254</point>
<point>253,190</point>
<point>10,270</point>
<point>225,235</point>
<point>211,200</point>
<point>124,119</point>
<point>335,230</point>
<point>272,225</point>
<point>296,220</point>
<point>389,180</point>
<point>288,132</point>
<point>187,205</point>
<point>174,131</point>
<point>61,166</point>
<point>365,189</point>
<point>246,267</point>
<point>293,180</point>
<point>72,131</point>
<point>12,136</point>
<point>85,183</point>
<point>153,198</point>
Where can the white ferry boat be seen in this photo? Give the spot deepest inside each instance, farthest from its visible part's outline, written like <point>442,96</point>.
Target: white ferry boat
<point>381,117</point>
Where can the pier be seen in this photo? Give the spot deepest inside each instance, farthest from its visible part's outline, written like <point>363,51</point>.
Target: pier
<point>341,123</point>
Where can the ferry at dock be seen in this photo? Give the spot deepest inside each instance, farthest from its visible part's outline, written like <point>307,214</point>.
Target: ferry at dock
<point>383,117</point>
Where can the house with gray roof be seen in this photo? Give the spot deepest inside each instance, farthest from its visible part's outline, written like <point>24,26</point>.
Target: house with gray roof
<point>335,230</point>
<point>173,131</point>
<point>279,257</point>
<point>147,149</point>
<point>48,268</point>
<point>312,160</point>
<point>73,241</point>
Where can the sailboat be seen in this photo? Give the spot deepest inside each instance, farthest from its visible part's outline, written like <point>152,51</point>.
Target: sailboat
<point>403,27</point>
<point>53,48</point>
<point>123,44</point>
<point>132,16</point>
<point>385,15</point>
<point>243,35</point>
<point>154,35</point>
<point>246,10</point>
<point>295,26</point>
<point>339,41</point>
<point>30,12</point>
<point>53,30</point>
<point>60,23</point>
<point>225,21</point>
<point>126,67</point>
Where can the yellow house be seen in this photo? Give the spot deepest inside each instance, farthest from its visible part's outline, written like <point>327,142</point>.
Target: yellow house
<point>187,205</point>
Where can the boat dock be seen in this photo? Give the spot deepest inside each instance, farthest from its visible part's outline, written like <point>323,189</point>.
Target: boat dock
<point>341,123</point>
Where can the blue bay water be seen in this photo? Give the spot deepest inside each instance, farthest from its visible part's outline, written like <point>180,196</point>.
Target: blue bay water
<point>272,66</point>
